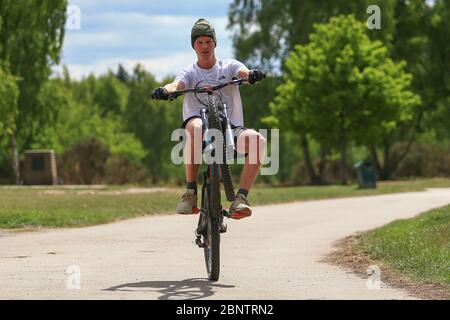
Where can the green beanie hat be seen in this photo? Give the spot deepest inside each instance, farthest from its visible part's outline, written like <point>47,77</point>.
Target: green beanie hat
<point>202,28</point>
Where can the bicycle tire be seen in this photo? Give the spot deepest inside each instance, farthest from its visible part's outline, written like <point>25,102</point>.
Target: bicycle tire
<point>212,250</point>
<point>227,182</point>
<point>214,123</point>
<point>211,236</point>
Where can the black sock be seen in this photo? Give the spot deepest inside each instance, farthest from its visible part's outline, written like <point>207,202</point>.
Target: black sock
<point>192,186</point>
<point>244,192</point>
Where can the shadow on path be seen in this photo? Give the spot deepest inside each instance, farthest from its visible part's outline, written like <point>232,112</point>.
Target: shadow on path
<point>191,289</point>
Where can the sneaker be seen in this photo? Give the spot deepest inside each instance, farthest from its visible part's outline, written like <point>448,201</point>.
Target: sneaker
<point>188,203</point>
<point>240,208</point>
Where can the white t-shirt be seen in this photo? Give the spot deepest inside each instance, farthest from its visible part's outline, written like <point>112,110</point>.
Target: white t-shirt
<point>223,70</point>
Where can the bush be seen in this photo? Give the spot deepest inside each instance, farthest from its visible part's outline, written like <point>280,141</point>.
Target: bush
<point>424,160</point>
<point>91,162</point>
<point>331,174</point>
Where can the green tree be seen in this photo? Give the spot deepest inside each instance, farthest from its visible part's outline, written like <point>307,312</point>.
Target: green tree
<point>79,121</point>
<point>111,95</point>
<point>438,120</point>
<point>421,38</point>
<point>122,74</point>
<point>8,105</point>
<point>153,122</point>
<point>416,31</point>
<point>343,87</point>
<point>31,37</point>
<point>266,31</point>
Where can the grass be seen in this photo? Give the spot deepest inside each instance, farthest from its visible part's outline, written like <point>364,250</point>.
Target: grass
<point>24,207</point>
<point>264,195</point>
<point>418,248</point>
<point>31,208</point>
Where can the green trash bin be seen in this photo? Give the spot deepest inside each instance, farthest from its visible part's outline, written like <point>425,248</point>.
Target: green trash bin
<point>366,174</point>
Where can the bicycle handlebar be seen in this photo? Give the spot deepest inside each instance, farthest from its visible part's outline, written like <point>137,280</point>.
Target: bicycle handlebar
<point>205,89</point>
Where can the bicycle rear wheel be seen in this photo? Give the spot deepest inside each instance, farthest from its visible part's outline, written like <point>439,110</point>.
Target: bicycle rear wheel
<point>211,235</point>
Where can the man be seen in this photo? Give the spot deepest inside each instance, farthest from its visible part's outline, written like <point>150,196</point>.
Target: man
<point>208,70</point>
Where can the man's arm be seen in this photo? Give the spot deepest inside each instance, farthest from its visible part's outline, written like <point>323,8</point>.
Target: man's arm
<point>175,86</point>
<point>243,73</point>
<point>162,93</point>
<point>253,75</point>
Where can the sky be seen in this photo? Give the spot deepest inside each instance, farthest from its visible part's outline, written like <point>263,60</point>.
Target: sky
<point>154,33</point>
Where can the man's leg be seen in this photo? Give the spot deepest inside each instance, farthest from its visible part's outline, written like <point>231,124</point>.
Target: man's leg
<point>192,159</point>
<point>252,143</point>
<point>193,149</point>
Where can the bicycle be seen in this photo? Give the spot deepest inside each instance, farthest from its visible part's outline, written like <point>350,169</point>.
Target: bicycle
<point>210,223</point>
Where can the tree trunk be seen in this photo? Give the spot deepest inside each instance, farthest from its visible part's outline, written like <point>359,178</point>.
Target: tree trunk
<point>386,172</point>
<point>314,179</point>
<point>390,162</point>
<point>375,160</point>
<point>343,146</point>
<point>322,163</point>
<point>397,162</point>
<point>343,169</point>
<point>14,159</point>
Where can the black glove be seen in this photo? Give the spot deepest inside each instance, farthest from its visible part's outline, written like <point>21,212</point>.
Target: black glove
<point>255,75</point>
<point>160,94</point>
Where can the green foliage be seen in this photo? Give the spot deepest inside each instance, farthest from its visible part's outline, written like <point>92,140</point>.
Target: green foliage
<point>343,87</point>
<point>119,114</point>
<point>78,121</point>
<point>255,104</point>
<point>439,76</point>
<point>152,122</point>
<point>265,31</point>
<point>122,74</point>
<point>31,39</point>
<point>415,31</point>
<point>338,87</point>
<point>8,103</point>
<point>110,94</point>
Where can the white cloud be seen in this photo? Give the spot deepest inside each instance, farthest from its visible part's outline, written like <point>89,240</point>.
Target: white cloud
<point>165,25</point>
<point>92,39</point>
<point>141,20</point>
<point>160,67</point>
<point>216,7</point>
<point>110,38</point>
<point>110,33</point>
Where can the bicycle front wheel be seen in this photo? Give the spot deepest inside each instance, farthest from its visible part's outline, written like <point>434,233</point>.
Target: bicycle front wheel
<point>212,248</point>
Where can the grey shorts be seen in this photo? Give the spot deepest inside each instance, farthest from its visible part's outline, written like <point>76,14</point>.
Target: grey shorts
<point>237,131</point>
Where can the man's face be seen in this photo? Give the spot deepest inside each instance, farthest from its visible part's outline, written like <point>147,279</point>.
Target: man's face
<point>204,48</point>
